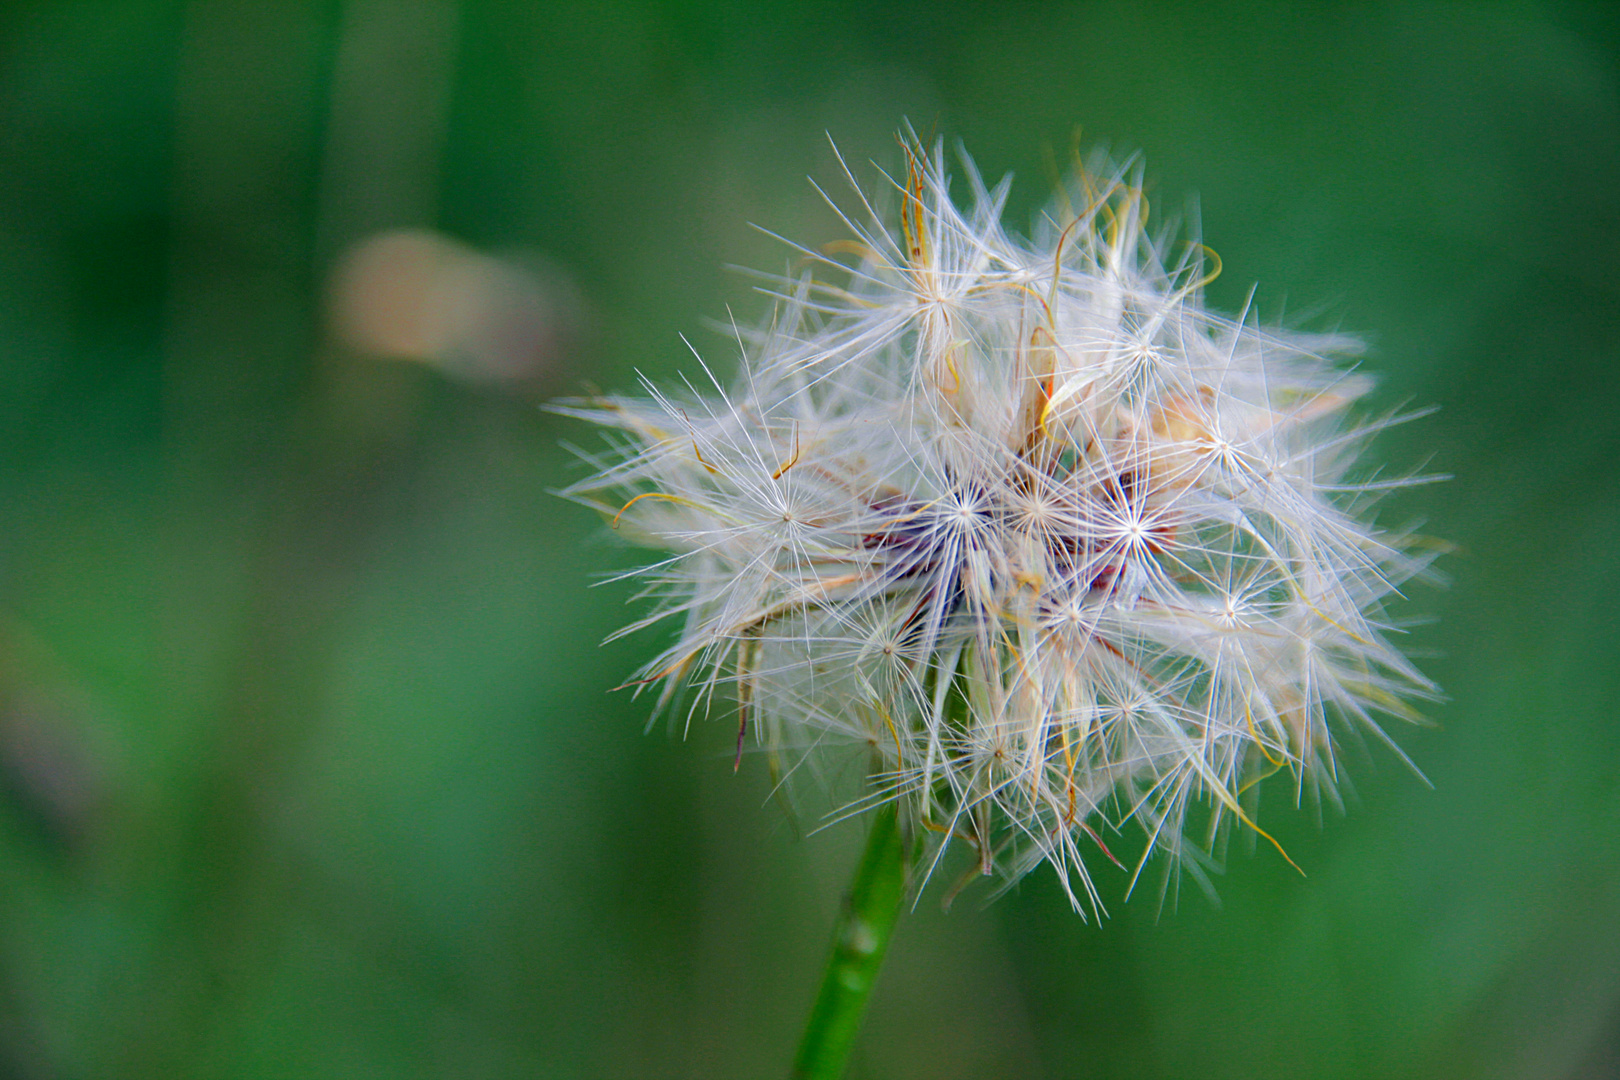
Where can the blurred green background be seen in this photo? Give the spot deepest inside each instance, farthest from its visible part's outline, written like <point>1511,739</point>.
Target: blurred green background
<point>307,761</point>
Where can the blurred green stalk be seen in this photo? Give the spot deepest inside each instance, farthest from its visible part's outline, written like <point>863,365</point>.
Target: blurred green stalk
<point>859,942</point>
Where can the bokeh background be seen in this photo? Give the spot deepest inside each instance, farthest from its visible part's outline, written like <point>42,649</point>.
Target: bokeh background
<point>308,765</point>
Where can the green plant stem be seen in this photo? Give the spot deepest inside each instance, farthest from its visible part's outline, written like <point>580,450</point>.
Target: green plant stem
<point>859,942</point>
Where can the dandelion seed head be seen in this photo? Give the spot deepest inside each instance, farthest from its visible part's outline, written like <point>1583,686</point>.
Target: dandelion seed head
<point>1064,549</point>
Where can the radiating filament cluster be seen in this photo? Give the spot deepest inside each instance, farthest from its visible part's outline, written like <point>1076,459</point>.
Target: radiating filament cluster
<point>1065,549</point>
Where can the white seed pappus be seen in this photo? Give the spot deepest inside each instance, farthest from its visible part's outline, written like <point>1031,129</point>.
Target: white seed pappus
<point>1065,549</point>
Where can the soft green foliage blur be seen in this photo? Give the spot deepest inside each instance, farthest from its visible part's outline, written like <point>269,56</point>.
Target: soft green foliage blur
<point>308,763</point>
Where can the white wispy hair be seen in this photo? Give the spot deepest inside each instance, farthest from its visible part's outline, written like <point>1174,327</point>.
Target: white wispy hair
<point>1063,547</point>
